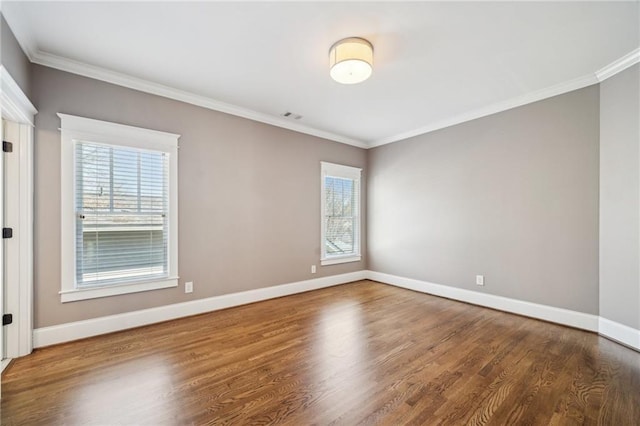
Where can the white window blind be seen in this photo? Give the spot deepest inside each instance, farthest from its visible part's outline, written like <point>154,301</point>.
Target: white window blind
<point>121,214</point>
<point>340,213</point>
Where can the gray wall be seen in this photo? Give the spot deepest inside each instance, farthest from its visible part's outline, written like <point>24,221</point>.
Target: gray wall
<point>512,196</point>
<point>620,198</point>
<point>249,196</point>
<point>13,58</point>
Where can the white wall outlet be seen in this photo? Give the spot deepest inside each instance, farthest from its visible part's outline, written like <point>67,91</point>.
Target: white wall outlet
<point>479,279</point>
<point>313,269</point>
<point>188,287</point>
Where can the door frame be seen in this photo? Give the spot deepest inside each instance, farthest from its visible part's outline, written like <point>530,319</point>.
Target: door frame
<point>3,362</point>
<point>16,107</point>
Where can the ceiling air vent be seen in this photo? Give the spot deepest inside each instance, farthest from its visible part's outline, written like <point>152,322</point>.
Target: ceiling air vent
<point>292,115</point>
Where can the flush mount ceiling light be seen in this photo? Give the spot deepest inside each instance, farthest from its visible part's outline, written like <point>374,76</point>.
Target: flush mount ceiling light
<point>351,60</point>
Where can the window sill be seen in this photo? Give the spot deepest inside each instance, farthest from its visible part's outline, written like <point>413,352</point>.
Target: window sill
<point>113,290</point>
<point>337,260</point>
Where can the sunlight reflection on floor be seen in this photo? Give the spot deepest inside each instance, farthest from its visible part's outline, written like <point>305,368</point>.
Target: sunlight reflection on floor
<point>142,385</point>
<point>342,351</point>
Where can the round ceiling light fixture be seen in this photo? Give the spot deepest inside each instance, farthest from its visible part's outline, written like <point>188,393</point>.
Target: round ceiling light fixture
<point>351,60</point>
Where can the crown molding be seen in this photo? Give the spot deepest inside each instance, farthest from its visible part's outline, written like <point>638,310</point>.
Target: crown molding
<point>619,65</point>
<point>120,79</point>
<point>610,70</point>
<point>497,107</point>
<point>124,80</point>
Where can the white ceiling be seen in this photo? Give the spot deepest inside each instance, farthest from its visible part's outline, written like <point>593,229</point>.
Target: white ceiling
<point>435,63</point>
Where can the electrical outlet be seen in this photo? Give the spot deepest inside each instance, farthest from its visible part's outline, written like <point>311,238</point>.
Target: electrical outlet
<point>188,287</point>
<point>313,269</point>
<point>479,279</point>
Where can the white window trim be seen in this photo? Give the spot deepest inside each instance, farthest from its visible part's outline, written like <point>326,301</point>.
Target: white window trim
<point>347,172</point>
<point>79,128</point>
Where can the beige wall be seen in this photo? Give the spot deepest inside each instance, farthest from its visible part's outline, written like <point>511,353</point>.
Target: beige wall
<point>13,58</point>
<point>512,196</point>
<point>249,196</point>
<point>620,198</point>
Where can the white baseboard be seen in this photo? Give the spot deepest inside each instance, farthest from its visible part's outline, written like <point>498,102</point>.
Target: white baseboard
<point>620,333</point>
<point>534,310</point>
<point>4,364</point>
<point>47,336</point>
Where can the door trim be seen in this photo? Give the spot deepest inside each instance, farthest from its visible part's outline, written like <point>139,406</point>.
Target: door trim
<point>16,107</point>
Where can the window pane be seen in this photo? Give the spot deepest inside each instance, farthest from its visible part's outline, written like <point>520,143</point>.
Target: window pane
<point>122,254</point>
<point>339,195</point>
<point>347,197</point>
<point>125,180</point>
<point>330,190</point>
<point>339,237</point>
<point>152,182</point>
<point>94,172</point>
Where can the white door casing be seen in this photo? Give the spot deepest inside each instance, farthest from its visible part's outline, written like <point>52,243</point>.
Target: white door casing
<point>19,114</point>
<point>3,364</point>
<point>18,266</point>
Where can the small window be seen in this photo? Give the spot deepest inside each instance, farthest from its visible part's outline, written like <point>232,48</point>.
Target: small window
<point>119,196</point>
<point>340,214</point>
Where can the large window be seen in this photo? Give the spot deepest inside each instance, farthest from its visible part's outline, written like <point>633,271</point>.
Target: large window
<point>340,214</point>
<point>119,213</point>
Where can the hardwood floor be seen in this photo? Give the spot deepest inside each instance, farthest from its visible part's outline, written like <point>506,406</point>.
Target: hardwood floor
<point>360,353</point>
